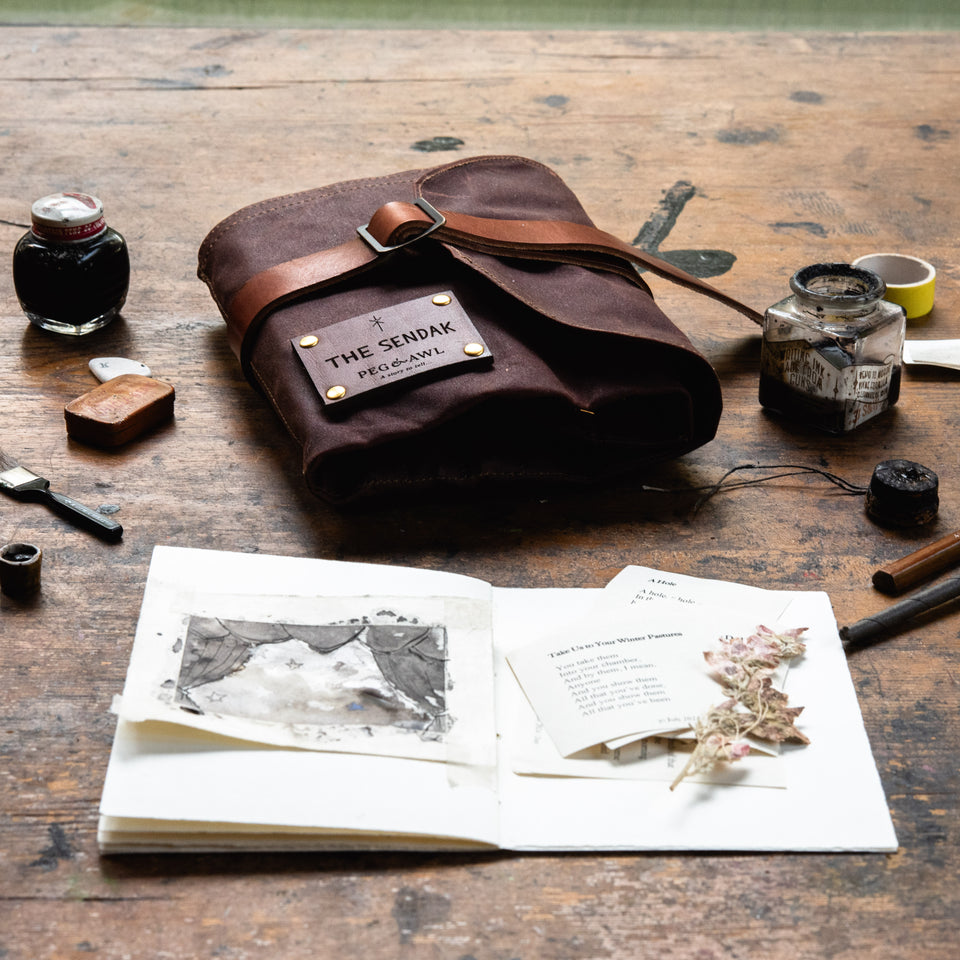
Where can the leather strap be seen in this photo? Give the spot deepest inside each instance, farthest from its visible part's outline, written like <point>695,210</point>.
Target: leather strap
<point>267,290</point>
<point>558,240</point>
<point>400,222</point>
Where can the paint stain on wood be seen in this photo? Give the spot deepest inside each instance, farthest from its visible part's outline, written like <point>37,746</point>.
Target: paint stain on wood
<point>929,134</point>
<point>806,96</point>
<point>212,70</point>
<point>58,849</point>
<point>225,40</point>
<point>743,136</point>
<point>169,83</point>
<point>699,263</point>
<point>664,218</point>
<point>808,226</point>
<point>816,202</point>
<point>435,144</point>
<point>415,909</point>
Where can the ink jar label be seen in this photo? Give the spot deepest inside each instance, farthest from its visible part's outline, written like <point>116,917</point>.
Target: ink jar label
<point>823,387</point>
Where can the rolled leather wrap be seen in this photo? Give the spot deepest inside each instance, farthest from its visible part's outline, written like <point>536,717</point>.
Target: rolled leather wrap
<point>589,378</point>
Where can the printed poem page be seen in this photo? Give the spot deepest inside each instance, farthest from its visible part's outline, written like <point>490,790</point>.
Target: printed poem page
<point>610,676</point>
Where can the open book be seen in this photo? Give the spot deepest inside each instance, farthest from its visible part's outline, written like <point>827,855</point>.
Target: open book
<point>277,703</point>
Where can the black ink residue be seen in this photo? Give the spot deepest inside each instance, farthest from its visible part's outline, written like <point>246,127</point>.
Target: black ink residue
<point>806,96</point>
<point>699,263</point>
<point>741,137</point>
<point>58,850</point>
<point>664,218</point>
<point>212,70</point>
<point>435,144</point>
<point>415,909</point>
<point>809,226</point>
<point>929,134</point>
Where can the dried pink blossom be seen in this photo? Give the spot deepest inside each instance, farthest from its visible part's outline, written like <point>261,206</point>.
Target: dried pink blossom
<point>754,707</point>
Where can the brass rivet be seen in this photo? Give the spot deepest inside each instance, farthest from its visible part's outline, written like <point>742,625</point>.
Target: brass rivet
<point>336,393</point>
<point>473,349</point>
<point>442,300</point>
<point>310,341</point>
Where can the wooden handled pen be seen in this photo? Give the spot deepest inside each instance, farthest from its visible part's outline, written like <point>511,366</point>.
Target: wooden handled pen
<point>920,565</point>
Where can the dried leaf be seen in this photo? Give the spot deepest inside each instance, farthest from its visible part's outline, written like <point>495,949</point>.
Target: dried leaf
<point>779,726</point>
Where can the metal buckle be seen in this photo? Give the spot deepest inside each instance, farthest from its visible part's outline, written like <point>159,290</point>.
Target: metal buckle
<point>438,221</point>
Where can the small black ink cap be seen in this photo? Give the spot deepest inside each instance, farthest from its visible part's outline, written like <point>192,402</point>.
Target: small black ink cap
<point>903,493</point>
<point>20,569</point>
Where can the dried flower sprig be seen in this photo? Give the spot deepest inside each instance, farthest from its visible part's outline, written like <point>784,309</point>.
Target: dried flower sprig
<point>744,669</point>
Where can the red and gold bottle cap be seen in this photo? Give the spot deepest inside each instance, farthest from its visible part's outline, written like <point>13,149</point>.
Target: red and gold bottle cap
<point>65,217</point>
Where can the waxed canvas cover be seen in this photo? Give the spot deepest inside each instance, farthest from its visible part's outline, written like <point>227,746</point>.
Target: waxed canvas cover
<point>589,379</point>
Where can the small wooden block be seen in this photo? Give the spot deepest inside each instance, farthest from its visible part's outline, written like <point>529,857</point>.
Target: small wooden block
<point>119,410</point>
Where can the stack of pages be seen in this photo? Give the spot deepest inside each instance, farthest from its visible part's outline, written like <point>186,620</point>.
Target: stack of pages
<point>276,703</point>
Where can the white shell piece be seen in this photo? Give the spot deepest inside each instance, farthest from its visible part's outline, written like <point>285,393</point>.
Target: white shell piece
<point>106,368</point>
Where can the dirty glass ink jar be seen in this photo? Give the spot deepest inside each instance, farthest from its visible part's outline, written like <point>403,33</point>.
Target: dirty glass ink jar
<point>831,354</point>
<point>71,271</point>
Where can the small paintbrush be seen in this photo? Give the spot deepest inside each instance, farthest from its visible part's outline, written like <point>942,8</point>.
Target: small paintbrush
<point>22,484</point>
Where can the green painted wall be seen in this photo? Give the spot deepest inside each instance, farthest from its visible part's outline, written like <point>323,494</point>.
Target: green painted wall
<point>859,15</point>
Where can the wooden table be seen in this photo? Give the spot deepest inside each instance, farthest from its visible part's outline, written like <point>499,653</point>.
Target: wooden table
<point>800,148</point>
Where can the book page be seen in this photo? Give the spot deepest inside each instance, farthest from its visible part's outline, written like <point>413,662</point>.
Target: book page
<point>653,758</point>
<point>209,778</point>
<point>612,675</point>
<point>170,787</point>
<point>634,668</point>
<point>407,676</point>
<point>636,585</point>
<point>565,808</point>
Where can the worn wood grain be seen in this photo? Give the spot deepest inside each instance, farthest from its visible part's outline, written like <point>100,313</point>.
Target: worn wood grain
<point>799,148</point>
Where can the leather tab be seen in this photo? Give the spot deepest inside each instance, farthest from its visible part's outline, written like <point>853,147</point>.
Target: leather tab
<point>385,347</point>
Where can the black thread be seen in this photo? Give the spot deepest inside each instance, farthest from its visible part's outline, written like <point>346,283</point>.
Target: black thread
<point>793,470</point>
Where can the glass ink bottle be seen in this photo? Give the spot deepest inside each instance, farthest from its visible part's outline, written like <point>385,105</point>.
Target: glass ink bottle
<point>831,354</point>
<point>71,271</point>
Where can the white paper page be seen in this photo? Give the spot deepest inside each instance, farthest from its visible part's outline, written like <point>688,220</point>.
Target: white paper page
<point>167,773</point>
<point>634,666</point>
<point>608,675</point>
<point>637,585</point>
<point>833,801</point>
<point>528,750</point>
<point>160,771</point>
<point>712,599</point>
<point>276,661</point>
<point>654,758</point>
<point>766,747</point>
